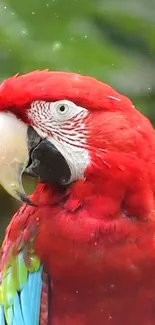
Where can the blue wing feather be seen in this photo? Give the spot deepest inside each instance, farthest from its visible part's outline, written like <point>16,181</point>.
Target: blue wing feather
<point>25,305</point>
<point>2,320</point>
<point>24,308</point>
<point>18,318</point>
<point>36,280</point>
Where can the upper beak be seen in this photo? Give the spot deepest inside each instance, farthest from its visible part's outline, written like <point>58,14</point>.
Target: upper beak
<point>14,155</point>
<point>22,149</point>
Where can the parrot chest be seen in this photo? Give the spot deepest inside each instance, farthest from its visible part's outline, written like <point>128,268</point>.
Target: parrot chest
<point>91,285</point>
<point>114,297</point>
<point>107,280</point>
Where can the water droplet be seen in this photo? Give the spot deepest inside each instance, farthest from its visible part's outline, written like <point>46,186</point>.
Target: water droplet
<point>24,32</point>
<point>63,181</point>
<point>92,234</point>
<point>47,4</point>
<point>56,15</point>
<point>5,7</point>
<point>86,36</point>
<point>112,285</point>
<point>33,13</point>
<point>56,46</point>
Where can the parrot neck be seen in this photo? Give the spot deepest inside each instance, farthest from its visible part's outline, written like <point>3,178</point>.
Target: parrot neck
<point>100,201</point>
<point>116,204</point>
<point>89,249</point>
<point>94,237</point>
<point>117,192</point>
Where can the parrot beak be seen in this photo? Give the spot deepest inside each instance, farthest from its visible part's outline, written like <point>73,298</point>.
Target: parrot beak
<point>14,155</point>
<point>23,150</point>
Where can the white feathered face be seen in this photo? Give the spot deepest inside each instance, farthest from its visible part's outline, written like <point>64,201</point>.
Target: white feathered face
<point>53,148</point>
<point>63,124</point>
<point>49,135</point>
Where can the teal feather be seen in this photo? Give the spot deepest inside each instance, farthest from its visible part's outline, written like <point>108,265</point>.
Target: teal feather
<point>2,320</point>
<point>25,305</point>
<point>18,317</point>
<point>20,292</point>
<point>35,286</point>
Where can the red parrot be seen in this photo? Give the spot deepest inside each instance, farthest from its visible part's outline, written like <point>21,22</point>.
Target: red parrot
<point>81,249</point>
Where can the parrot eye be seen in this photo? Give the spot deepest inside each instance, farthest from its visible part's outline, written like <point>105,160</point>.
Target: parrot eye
<point>44,113</point>
<point>62,109</point>
<point>62,123</point>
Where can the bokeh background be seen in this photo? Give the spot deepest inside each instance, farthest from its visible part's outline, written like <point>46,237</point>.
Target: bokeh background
<point>113,40</point>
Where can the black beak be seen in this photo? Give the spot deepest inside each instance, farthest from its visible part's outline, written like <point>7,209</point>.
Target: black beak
<point>46,162</point>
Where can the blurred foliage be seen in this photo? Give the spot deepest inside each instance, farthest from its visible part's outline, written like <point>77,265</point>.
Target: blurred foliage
<point>111,40</point>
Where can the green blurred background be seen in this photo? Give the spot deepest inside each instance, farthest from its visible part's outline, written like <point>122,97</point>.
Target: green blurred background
<point>113,40</point>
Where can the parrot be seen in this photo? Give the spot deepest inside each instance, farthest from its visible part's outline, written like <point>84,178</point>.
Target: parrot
<point>81,248</point>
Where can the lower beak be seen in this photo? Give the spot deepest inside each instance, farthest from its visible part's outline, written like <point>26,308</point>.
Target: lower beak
<point>23,150</point>
<point>48,164</point>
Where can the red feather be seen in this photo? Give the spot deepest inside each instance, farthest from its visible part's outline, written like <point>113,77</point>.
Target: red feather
<point>101,266</point>
<point>19,91</point>
<point>97,238</point>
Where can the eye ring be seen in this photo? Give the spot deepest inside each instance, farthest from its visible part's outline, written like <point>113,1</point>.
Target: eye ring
<point>62,109</point>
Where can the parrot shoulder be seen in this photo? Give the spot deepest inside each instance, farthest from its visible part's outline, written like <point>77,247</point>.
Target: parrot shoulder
<point>23,282</point>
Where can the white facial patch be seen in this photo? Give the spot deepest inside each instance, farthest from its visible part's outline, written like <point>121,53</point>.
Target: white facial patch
<point>63,124</point>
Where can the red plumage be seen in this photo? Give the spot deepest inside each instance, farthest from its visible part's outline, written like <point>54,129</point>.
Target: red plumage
<point>96,238</point>
<point>46,85</point>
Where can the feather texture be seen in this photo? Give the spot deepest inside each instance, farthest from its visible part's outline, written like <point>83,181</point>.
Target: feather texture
<point>96,237</point>
<point>20,290</point>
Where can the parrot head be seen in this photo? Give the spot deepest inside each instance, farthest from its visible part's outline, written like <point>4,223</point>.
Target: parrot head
<point>64,127</point>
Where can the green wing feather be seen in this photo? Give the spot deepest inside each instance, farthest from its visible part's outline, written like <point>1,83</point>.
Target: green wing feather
<point>20,287</point>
